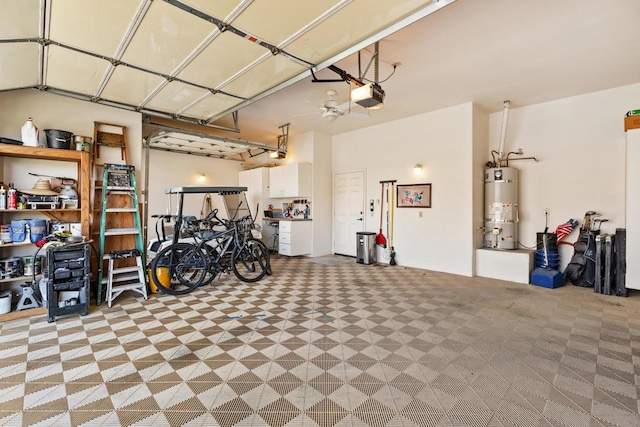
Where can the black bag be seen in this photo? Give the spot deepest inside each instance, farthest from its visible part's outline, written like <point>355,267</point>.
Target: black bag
<point>581,270</point>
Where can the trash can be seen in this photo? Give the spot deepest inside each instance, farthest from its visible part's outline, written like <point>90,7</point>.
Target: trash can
<point>366,247</point>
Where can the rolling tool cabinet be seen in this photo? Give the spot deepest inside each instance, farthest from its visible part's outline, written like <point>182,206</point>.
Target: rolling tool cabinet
<point>68,270</point>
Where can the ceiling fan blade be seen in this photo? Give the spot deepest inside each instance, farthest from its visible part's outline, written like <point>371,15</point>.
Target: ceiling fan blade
<point>307,114</point>
<point>353,109</point>
<point>315,104</point>
<point>345,105</point>
<point>357,114</point>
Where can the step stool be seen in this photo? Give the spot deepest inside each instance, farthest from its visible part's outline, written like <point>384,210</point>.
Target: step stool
<point>125,278</point>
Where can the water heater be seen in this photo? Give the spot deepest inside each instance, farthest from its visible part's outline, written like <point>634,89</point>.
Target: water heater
<point>501,208</point>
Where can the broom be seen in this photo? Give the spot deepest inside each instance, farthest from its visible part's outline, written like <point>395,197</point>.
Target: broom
<point>392,255</point>
<point>380,239</point>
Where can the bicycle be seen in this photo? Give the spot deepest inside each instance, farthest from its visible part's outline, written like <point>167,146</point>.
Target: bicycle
<point>187,266</point>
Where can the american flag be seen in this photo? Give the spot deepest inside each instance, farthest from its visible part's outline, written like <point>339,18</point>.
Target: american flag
<point>565,229</point>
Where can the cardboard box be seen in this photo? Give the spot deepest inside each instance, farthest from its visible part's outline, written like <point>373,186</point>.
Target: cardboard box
<point>632,122</point>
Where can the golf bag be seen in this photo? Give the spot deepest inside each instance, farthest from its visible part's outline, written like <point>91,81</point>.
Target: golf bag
<point>581,270</point>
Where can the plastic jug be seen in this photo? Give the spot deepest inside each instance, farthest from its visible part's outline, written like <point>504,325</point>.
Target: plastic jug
<point>3,196</point>
<point>29,133</point>
<point>5,302</point>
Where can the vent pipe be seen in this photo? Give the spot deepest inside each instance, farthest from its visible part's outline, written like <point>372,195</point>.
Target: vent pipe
<point>503,131</point>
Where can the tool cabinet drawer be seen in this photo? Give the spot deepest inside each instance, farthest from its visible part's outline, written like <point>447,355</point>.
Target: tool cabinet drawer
<point>285,238</point>
<point>284,249</point>
<point>295,238</point>
<point>285,226</point>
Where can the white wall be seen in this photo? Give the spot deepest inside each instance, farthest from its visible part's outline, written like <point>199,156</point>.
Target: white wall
<point>480,153</point>
<point>322,194</point>
<point>439,240</point>
<point>580,142</point>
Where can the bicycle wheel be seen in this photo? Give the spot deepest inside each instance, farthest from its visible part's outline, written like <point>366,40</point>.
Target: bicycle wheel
<point>185,267</point>
<point>250,262</point>
<point>268,255</point>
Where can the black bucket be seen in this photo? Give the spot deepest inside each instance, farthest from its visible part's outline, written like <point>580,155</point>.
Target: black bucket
<point>547,241</point>
<point>58,138</point>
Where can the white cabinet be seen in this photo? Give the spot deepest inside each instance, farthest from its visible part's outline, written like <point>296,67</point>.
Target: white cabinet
<point>257,183</point>
<point>295,238</point>
<point>292,180</point>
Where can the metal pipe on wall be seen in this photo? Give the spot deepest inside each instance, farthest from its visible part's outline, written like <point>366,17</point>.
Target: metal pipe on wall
<point>503,131</point>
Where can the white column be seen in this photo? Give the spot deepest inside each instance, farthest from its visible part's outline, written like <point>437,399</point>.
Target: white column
<point>632,216</point>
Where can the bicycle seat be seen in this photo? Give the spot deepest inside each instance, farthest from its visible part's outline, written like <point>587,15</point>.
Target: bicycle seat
<point>205,235</point>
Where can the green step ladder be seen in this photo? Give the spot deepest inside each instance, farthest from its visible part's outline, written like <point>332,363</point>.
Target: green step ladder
<point>120,179</point>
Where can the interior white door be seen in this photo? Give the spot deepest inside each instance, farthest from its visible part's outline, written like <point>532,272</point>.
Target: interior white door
<point>348,214</point>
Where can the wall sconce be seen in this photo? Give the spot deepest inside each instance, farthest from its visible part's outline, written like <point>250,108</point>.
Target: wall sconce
<point>202,177</point>
<point>418,168</point>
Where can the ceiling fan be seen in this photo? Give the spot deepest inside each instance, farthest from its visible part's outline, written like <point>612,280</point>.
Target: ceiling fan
<point>330,110</point>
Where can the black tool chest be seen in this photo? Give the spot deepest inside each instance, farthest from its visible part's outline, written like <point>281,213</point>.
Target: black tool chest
<point>68,269</point>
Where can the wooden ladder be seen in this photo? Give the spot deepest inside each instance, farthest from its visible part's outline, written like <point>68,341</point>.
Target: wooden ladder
<point>112,136</point>
<point>110,148</point>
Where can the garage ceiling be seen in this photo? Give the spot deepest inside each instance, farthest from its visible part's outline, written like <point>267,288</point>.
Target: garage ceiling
<point>194,61</point>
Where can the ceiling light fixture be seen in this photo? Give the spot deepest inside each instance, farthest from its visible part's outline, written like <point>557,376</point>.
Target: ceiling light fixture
<point>331,115</point>
<point>277,155</point>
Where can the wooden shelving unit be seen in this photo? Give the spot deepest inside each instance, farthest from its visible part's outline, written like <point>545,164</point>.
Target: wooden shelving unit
<point>82,214</point>
<point>20,279</point>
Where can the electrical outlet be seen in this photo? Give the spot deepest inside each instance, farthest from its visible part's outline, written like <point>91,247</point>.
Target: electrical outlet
<point>546,211</point>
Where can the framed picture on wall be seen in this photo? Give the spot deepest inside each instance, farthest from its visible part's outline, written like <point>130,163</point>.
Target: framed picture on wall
<point>414,196</point>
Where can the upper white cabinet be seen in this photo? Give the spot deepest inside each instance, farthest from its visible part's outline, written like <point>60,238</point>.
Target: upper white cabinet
<point>257,183</point>
<point>291,180</point>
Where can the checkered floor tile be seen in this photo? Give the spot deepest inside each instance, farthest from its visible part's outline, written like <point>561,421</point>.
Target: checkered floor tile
<point>331,344</point>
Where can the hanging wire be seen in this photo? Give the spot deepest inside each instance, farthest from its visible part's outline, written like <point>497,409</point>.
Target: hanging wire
<point>526,247</point>
<point>382,81</point>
